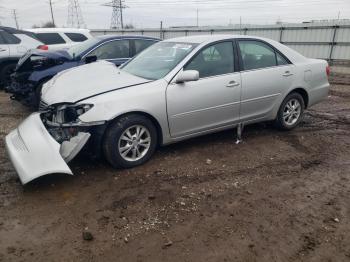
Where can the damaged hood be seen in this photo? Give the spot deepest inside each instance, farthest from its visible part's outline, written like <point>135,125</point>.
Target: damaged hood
<point>81,82</point>
<point>37,59</point>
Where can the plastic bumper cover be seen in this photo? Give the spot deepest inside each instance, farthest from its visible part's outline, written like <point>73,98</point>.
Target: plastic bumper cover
<point>33,152</point>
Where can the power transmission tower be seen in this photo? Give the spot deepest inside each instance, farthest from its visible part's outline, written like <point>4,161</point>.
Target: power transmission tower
<point>15,17</point>
<point>117,13</point>
<point>75,16</point>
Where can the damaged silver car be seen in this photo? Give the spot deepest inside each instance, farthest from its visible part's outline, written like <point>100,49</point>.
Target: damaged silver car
<point>174,90</point>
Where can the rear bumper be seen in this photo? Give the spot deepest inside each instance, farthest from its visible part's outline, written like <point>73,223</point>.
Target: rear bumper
<point>33,152</point>
<point>318,94</point>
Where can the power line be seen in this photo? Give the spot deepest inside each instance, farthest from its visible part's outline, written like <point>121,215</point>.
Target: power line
<point>75,16</point>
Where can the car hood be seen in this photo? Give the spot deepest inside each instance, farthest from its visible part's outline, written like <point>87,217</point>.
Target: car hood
<point>51,54</point>
<point>86,81</point>
<point>25,63</point>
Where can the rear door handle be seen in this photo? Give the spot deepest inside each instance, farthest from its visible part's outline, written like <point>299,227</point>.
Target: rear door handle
<point>2,50</point>
<point>232,84</point>
<point>287,73</point>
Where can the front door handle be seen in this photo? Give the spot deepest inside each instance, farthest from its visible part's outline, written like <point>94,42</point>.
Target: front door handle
<point>287,73</point>
<point>232,84</point>
<point>2,50</point>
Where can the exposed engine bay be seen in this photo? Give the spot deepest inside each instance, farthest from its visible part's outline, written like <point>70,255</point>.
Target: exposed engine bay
<point>63,123</point>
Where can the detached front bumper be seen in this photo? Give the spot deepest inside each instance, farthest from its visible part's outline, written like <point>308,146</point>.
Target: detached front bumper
<point>34,152</point>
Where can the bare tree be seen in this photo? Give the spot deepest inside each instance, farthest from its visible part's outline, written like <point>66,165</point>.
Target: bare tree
<point>129,26</point>
<point>48,24</point>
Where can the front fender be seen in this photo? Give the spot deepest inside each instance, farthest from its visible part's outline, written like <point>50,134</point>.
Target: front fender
<point>147,98</point>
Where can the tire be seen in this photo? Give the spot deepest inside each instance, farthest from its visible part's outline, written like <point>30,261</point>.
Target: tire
<point>5,73</point>
<point>117,141</point>
<point>291,111</point>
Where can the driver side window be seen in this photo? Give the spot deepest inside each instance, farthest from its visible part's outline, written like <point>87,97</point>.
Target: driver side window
<point>112,50</point>
<point>217,59</point>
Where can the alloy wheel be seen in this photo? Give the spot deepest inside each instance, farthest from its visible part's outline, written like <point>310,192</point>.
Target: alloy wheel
<point>291,112</point>
<point>134,143</point>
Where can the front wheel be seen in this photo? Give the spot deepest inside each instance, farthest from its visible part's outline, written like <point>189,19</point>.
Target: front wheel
<point>130,141</point>
<point>290,112</point>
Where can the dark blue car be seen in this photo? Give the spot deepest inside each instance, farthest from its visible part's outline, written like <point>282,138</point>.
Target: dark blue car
<point>37,67</point>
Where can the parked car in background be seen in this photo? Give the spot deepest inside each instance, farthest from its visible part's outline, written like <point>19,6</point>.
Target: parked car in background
<point>60,38</point>
<point>174,90</point>
<point>37,67</point>
<point>13,44</point>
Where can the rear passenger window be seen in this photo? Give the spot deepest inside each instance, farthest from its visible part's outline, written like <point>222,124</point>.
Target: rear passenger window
<point>112,50</point>
<point>9,38</point>
<point>76,37</point>
<point>257,55</point>
<point>140,45</point>
<point>214,60</point>
<point>50,38</point>
<point>2,40</point>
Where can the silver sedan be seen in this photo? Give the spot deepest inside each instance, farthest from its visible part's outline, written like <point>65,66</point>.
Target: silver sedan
<point>174,90</point>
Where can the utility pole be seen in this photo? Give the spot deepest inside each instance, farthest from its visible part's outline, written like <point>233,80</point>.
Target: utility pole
<point>53,20</point>
<point>161,30</point>
<point>240,25</point>
<point>15,17</point>
<point>117,13</point>
<point>197,17</point>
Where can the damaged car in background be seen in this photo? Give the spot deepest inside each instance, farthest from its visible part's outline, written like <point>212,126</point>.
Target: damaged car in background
<point>37,67</point>
<point>174,90</point>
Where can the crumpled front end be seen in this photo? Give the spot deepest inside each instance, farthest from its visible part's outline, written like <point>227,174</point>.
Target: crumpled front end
<point>23,88</point>
<point>42,145</point>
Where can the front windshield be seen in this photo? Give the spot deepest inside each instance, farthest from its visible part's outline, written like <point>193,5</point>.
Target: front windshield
<point>78,49</point>
<point>158,60</point>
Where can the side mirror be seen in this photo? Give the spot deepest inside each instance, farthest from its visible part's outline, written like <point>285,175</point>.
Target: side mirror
<point>90,59</point>
<point>186,76</point>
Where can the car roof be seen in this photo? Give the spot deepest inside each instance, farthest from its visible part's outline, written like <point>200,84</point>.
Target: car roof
<point>59,30</point>
<point>111,37</point>
<point>12,30</point>
<point>200,39</point>
<point>292,55</point>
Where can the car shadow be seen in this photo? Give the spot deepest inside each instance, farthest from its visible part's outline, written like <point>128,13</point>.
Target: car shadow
<point>84,166</point>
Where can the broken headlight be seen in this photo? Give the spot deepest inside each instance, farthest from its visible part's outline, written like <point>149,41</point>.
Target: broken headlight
<point>70,113</point>
<point>62,120</point>
<point>66,114</point>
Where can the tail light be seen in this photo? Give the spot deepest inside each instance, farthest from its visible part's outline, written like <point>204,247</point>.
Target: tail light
<point>43,47</point>
<point>328,70</point>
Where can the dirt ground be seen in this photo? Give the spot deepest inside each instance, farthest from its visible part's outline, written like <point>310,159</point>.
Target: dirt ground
<point>279,196</point>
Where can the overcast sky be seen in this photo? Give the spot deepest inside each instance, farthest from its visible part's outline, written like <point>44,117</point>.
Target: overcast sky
<point>149,13</point>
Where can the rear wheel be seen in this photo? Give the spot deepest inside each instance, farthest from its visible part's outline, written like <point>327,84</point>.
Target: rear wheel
<point>130,141</point>
<point>5,74</point>
<point>290,112</point>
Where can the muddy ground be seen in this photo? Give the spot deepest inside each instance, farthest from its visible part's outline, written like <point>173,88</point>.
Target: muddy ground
<point>279,196</point>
